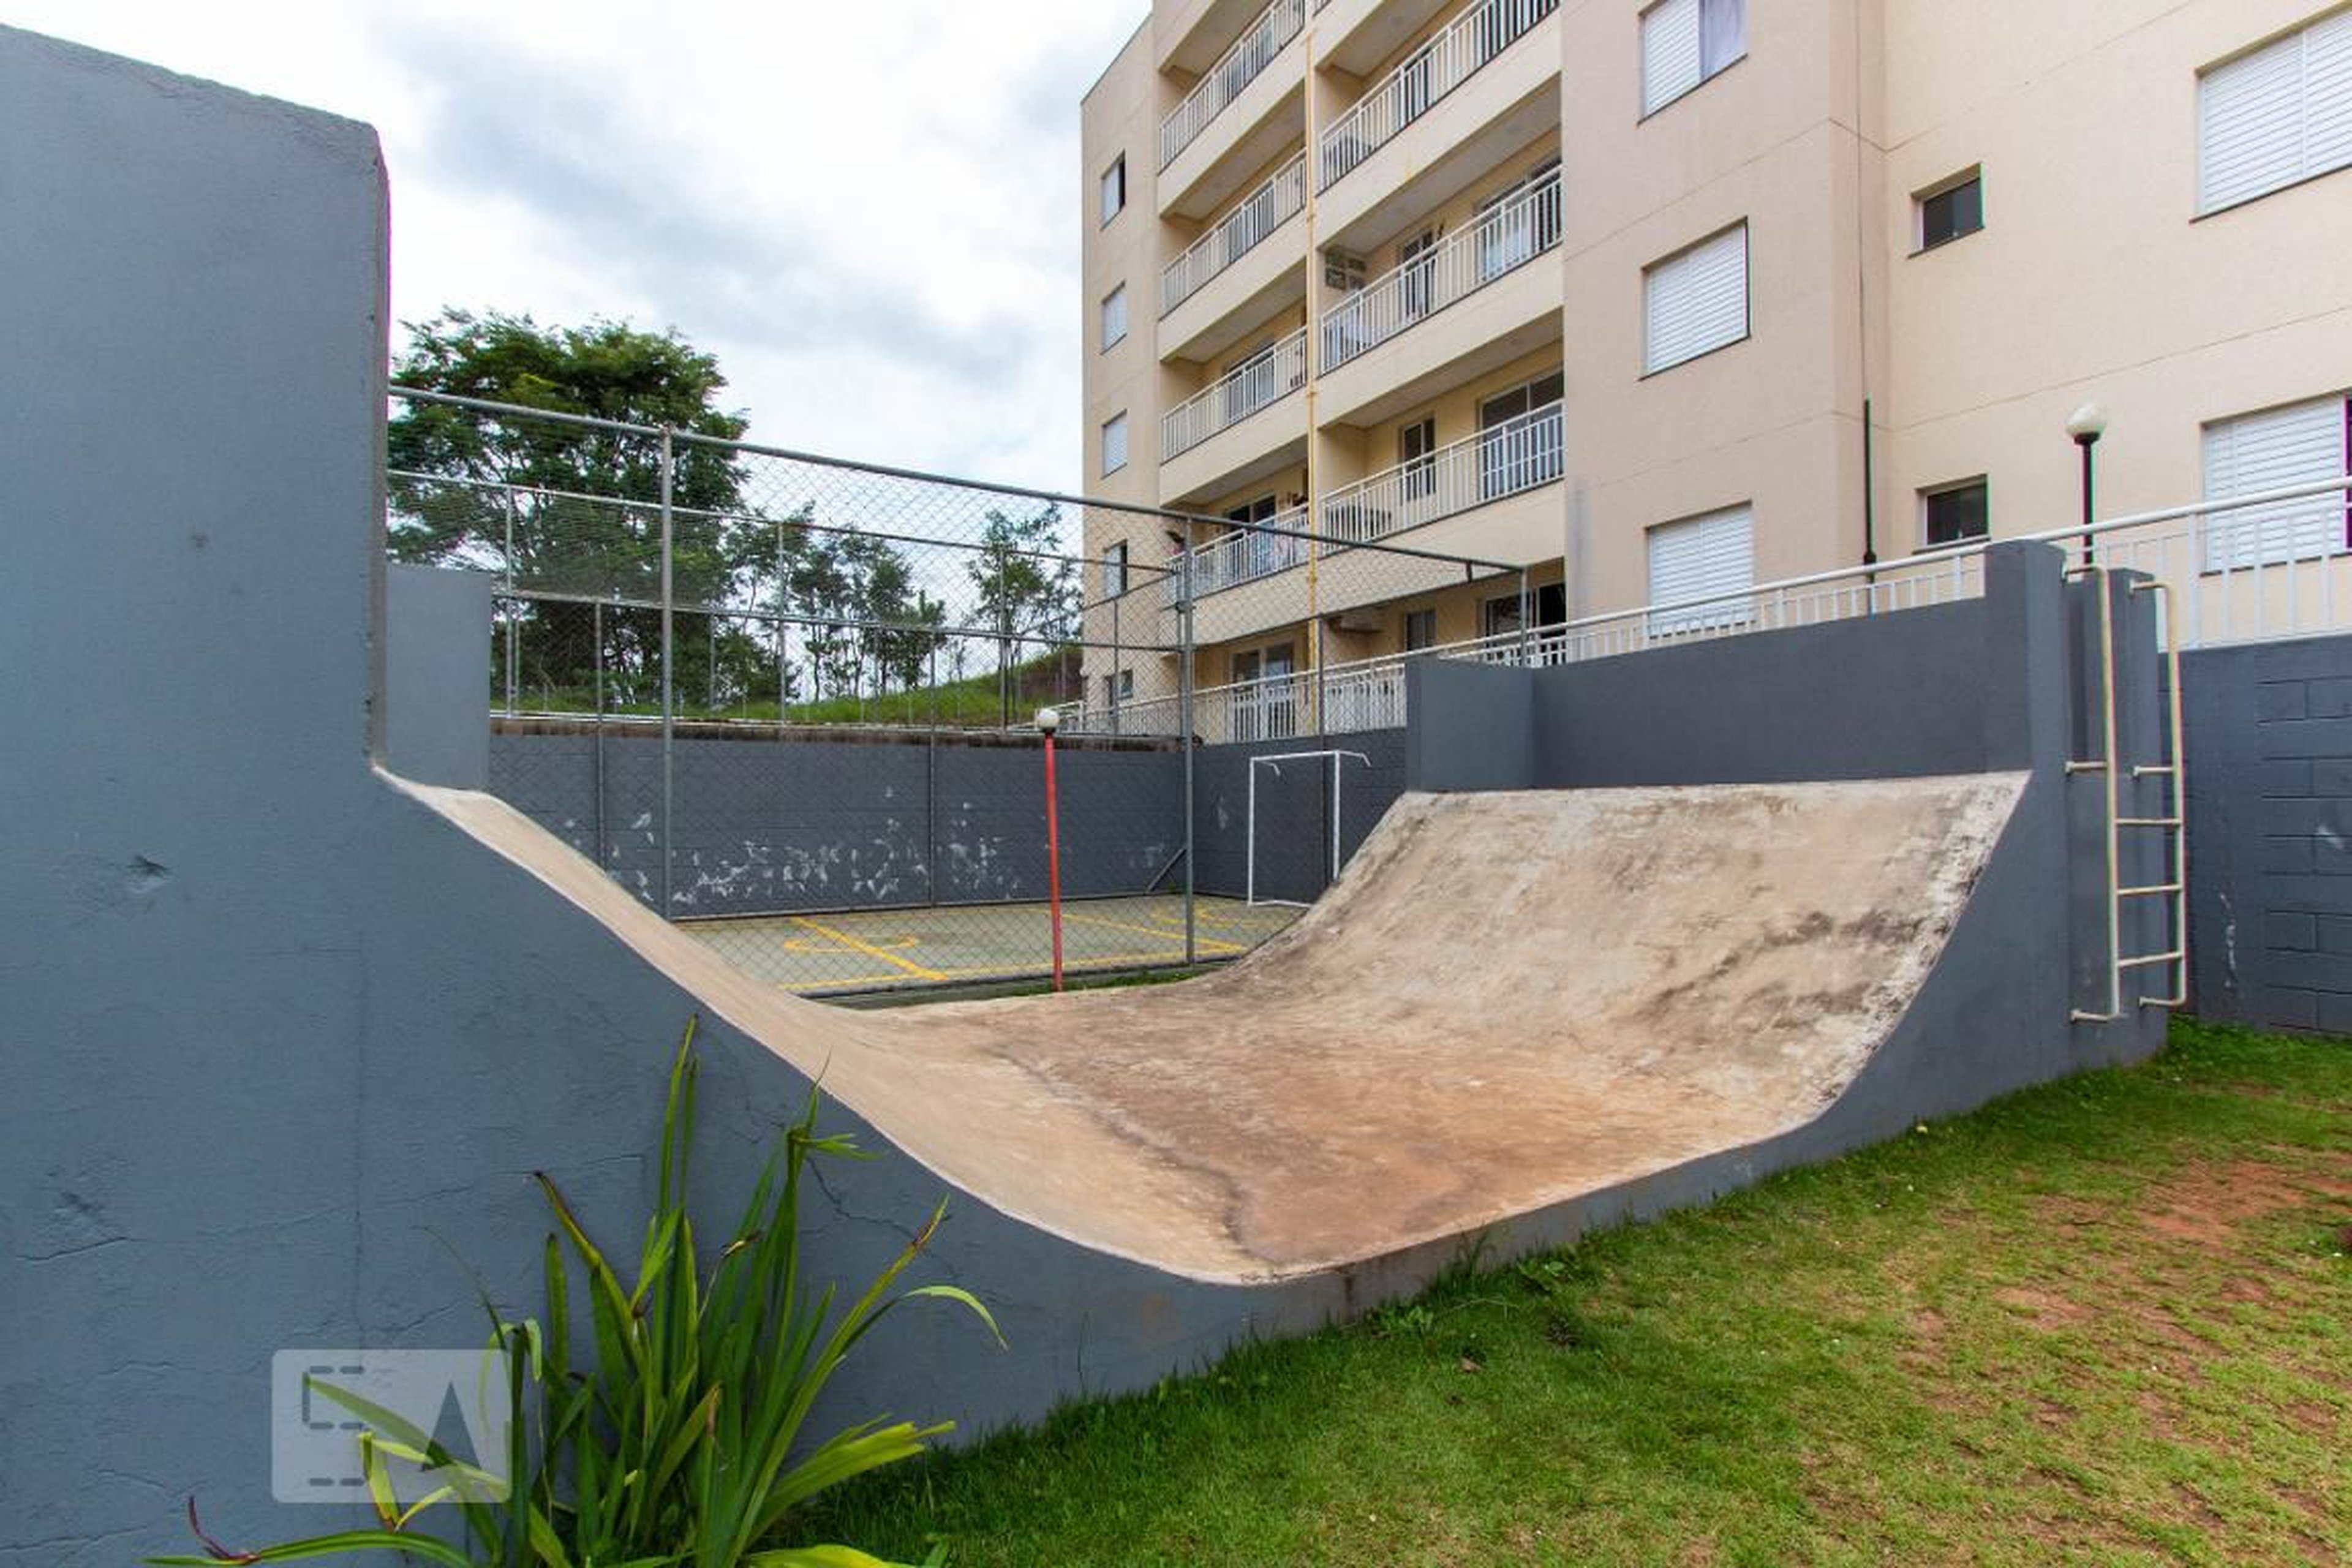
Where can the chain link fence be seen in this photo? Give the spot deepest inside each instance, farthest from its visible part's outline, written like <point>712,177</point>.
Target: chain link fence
<point>789,702</point>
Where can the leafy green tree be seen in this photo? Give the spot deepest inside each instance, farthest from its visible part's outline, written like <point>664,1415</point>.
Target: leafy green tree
<point>570,510</point>
<point>1026,588</point>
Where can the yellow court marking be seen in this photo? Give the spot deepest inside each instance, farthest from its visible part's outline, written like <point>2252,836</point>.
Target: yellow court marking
<point>868,949</point>
<point>1148,930</point>
<point>802,944</point>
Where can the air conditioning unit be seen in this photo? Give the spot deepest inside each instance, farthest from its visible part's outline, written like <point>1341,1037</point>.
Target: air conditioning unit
<point>1359,621</point>
<point>1342,269</point>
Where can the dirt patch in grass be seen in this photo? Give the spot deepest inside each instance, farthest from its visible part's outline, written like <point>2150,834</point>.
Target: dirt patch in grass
<point>2045,1309</point>
<point>2210,1203</point>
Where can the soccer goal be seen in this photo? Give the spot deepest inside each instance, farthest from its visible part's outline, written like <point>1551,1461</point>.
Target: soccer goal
<point>1338,762</point>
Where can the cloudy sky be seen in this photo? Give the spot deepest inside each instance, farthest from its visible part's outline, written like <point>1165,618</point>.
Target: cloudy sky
<point>869,211</point>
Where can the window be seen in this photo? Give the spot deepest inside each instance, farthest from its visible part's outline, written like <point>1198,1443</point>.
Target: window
<point>2278,115</point>
<point>1510,235</point>
<point>1416,269</point>
<point>1114,316</point>
<point>1119,689</point>
<point>1684,42</point>
<point>1266,707</point>
<point>1114,569</point>
<point>1416,443</point>
<point>1114,188</point>
<point>1114,443</point>
<point>1702,558</point>
<point>1951,209</point>
<point>1954,514</point>
<point>1519,438</point>
<point>1695,302</point>
<point>1420,630</point>
<point>1500,617</point>
<point>2300,444</point>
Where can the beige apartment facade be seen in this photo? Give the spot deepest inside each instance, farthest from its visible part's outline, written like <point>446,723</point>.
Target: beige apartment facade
<point>1656,300</point>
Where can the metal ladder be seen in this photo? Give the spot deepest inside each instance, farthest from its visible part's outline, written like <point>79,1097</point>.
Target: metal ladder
<point>2172,822</point>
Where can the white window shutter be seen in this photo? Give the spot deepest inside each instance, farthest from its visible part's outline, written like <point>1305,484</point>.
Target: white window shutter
<point>2249,135</point>
<point>1670,52</point>
<point>2281,114</point>
<point>1700,556</point>
<point>2328,94</point>
<point>2302,444</point>
<point>1696,301</point>
<point>1114,444</point>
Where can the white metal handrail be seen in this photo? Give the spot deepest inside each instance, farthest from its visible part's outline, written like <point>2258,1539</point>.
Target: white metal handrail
<point>1241,556</point>
<point>1505,459</point>
<point>1267,376</point>
<point>2294,596</point>
<point>1236,234</point>
<point>1429,73</point>
<point>1503,240</point>
<point>1222,83</point>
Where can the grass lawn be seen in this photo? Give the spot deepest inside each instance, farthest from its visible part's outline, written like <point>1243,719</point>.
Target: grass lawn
<point>2107,1321</point>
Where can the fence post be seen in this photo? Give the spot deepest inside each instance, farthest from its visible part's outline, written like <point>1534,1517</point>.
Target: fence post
<point>1184,733</point>
<point>669,666</point>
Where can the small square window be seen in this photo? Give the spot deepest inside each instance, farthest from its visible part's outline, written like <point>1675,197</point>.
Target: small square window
<point>1955,514</point>
<point>1954,209</point>
<point>1114,188</point>
<point>1114,316</point>
<point>1114,444</point>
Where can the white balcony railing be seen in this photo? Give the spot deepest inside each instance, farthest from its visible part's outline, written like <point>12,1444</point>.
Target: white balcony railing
<point>2282,594</point>
<point>1423,81</point>
<point>1503,238</point>
<point>1503,460</point>
<point>1267,376</point>
<point>1241,556</point>
<point>1224,81</point>
<point>1236,234</point>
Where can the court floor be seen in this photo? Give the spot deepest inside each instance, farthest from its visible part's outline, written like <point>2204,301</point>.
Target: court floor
<point>887,949</point>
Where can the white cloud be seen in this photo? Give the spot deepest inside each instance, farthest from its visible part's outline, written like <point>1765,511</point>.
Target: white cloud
<point>870,213</point>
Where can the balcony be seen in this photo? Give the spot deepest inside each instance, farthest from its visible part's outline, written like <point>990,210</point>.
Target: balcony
<point>1243,556</point>
<point>1506,459</point>
<point>1264,378</point>
<point>1425,80</point>
<point>1222,83</point>
<point>1502,240</point>
<point>1238,233</point>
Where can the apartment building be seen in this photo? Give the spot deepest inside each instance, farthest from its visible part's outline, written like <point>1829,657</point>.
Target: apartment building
<point>1667,299</point>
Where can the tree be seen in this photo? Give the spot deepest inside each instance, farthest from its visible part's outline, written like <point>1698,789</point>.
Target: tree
<point>572,510</point>
<point>1026,588</point>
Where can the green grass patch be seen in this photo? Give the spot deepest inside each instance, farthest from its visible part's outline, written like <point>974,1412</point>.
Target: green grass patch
<point>2105,1321</point>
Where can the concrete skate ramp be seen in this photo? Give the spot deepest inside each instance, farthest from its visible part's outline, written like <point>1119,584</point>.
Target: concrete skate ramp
<point>1509,1001</point>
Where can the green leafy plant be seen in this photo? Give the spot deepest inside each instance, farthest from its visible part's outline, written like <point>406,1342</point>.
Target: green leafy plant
<point>679,1444</point>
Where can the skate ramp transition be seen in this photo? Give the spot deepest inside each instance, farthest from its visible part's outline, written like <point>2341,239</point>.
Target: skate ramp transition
<point>1510,1001</point>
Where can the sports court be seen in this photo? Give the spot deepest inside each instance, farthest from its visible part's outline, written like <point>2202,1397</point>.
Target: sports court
<point>813,954</point>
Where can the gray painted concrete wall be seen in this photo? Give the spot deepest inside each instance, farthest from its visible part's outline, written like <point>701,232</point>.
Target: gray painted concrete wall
<point>781,824</point>
<point>437,666</point>
<point>1293,806</point>
<point>2269,864</point>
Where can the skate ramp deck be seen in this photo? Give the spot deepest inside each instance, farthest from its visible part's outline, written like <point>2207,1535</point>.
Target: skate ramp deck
<point>1509,1001</point>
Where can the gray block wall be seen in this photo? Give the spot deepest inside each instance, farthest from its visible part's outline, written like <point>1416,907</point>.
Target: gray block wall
<point>1293,806</point>
<point>780,824</point>
<point>2270,865</point>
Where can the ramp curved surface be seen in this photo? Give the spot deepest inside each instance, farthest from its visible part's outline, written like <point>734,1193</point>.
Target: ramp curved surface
<point>1510,1000</point>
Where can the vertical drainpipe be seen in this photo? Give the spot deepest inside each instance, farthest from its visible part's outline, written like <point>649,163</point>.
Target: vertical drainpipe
<point>1311,351</point>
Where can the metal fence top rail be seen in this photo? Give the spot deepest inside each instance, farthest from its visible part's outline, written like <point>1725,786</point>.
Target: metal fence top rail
<point>917,475</point>
<point>807,524</point>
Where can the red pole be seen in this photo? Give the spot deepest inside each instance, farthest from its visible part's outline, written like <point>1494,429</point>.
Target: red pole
<point>1053,858</point>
